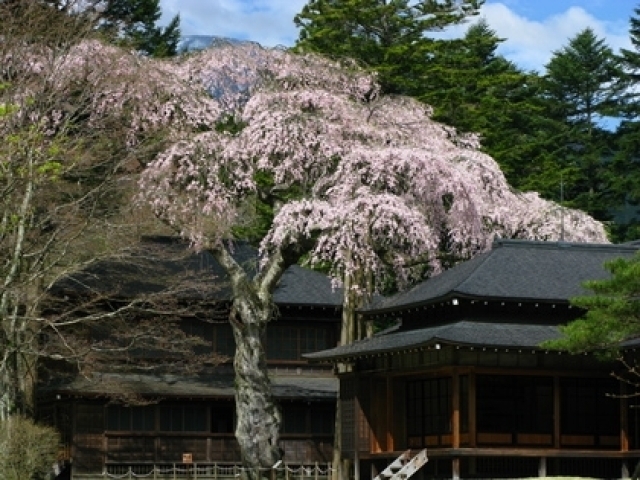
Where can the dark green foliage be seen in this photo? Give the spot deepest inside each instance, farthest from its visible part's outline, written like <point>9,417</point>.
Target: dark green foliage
<point>613,312</point>
<point>626,162</point>
<point>546,132</point>
<point>475,90</point>
<point>262,207</point>
<point>461,72</point>
<point>581,87</point>
<point>133,23</point>
<point>388,36</point>
<point>631,58</point>
<point>582,80</point>
<point>128,23</point>
<point>625,181</point>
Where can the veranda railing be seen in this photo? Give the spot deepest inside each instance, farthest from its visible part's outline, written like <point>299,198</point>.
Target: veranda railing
<point>209,471</point>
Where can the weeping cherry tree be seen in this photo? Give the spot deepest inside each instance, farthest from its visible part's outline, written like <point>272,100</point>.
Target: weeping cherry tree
<point>312,162</point>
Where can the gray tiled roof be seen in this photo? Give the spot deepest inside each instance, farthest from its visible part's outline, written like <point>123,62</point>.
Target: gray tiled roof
<point>289,386</point>
<point>516,270</point>
<point>467,332</point>
<point>301,286</point>
<point>160,262</point>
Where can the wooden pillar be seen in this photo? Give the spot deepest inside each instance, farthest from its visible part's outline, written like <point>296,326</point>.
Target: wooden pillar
<point>455,408</point>
<point>73,420</point>
<point>209,423</point>
<point>624,418</point>
<point>556,412</point>
<point>357,427</point>
<point>455,421</point>
<point>472,466</point>
<point>376,409</point>
<point>472,410</point>
<point>374,471</point>
<point>455,468</point>
<point>356,465</point>
<point>542,467</point>
<point>390,420</point>
<point>156,438</point>
<point>625,469</point>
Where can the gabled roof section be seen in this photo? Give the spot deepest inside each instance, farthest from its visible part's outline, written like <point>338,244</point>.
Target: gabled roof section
<point>158,263</point>
<point>515,270</point>
<point>468,332</point>
<point>301,286</point>
<point>214,385</point>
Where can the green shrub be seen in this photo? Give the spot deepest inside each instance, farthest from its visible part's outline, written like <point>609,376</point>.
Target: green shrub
<point>27,450</point>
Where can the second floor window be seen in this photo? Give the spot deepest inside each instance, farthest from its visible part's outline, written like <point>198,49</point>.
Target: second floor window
<point>130,419</point>
<point>290,342</point>
<point>183,418</point>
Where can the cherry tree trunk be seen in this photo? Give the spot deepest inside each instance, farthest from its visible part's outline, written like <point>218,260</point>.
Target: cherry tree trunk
<point>258,416</point>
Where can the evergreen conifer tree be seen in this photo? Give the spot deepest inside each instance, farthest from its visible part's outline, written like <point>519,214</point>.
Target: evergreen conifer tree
<point>133,23</point>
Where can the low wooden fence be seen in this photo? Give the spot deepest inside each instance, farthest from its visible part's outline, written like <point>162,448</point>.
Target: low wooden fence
<point>207,471</point>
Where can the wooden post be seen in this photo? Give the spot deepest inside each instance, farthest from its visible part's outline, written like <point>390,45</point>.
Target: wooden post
<point>472,466</point>
<point>455,468</point>
<point>624,418</point>
<point>374,470</point>
<point>455,409</point>
<point>473,434</point>
<point>390,420</point>
<point>542,467</point>
<point>356,462</point>
<point>556,412</point>
<point>358,416</point>
<point>625,469</point>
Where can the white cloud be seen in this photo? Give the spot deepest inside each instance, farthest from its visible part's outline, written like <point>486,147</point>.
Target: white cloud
<point>530,44</point>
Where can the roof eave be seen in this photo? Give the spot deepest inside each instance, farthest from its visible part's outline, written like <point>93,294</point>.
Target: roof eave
<point>454,295</point>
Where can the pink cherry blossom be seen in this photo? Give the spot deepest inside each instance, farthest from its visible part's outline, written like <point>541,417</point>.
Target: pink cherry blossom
<point>379,179</point>
<point>364,183</point>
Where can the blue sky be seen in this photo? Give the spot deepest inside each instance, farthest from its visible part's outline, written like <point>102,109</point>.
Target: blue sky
<point>533,28</point>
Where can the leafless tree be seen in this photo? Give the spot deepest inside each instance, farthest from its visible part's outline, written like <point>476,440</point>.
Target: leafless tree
<point>69,159</point>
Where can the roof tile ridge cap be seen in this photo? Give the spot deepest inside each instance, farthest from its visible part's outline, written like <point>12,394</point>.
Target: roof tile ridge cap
<point>592,246</point>
<point>562,244</point>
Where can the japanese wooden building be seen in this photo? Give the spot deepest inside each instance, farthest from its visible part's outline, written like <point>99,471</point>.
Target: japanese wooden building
<point>463,373</point>
<point>190,418</point>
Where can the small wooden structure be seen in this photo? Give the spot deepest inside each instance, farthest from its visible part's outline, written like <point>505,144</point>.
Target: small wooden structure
<point>463,373</point>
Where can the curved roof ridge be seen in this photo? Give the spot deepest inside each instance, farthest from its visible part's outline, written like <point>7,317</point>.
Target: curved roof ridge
<point>468,331</point>
<point>523,243</point>
<point>515,270</point>
<point>446,283</point>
